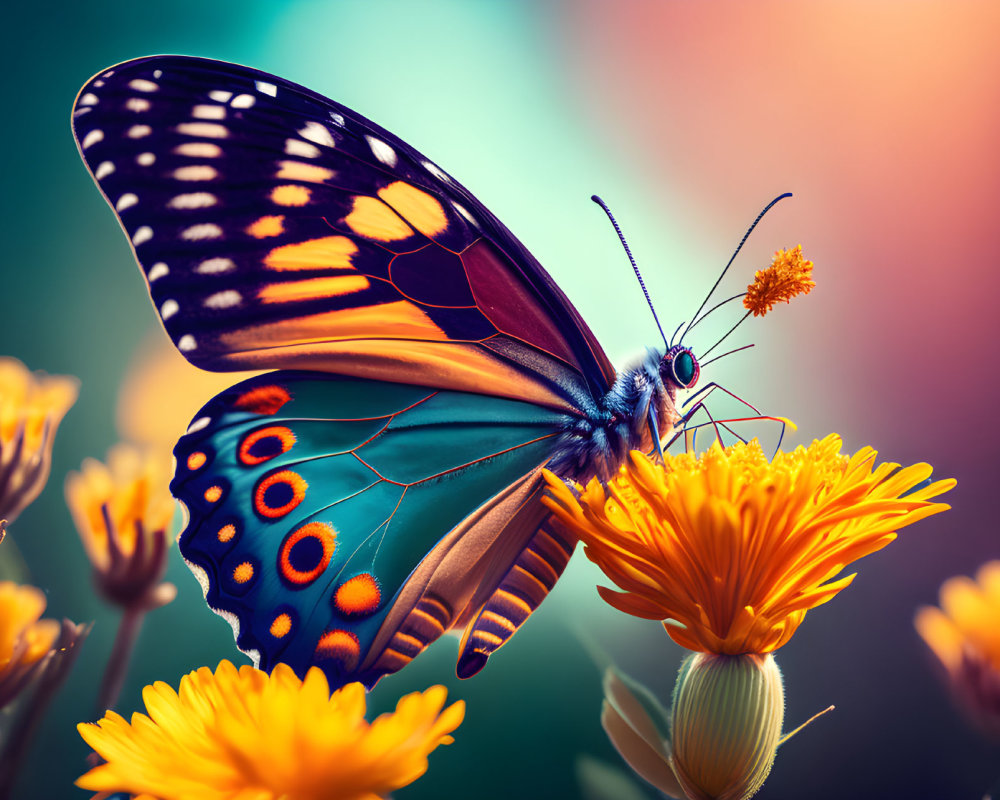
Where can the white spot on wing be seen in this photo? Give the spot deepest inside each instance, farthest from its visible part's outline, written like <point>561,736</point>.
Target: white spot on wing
<point>338,119</point>
<point>186,343</point>
<point>196,172</point>
<point>193,200</point>
<point>224,299</point>
<point>143,234</point>
<point>145,159</point>
<point>296,147</point>
<point>104,169</point>
<point>98,83</point>
<point>382,151</point>
<point>89,99</point>
<point>213,266</point>
<point>199,424</point>
<point>168,309</point>
<point>126,201</point>
<point>157,271</point>
<point>198,150</point>
<point>93,137</point>
<point>203,230</point>
<point>207,111</point>
<point>436,171</point>
<point>138,104</point>
<point>315,132</point>
<point>220,96</point>
<point>142,85</point>
<point>138,131</point>
<point>243,101</point>
<point>157,73</point>
<point>267,88</point>
<point>462,210</point>
<point>210,130</point>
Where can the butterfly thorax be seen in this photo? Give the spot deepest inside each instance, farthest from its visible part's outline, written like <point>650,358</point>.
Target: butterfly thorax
<point>639,402</point>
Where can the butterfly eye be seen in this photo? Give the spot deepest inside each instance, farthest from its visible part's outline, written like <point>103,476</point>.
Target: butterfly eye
<point>681,367</point>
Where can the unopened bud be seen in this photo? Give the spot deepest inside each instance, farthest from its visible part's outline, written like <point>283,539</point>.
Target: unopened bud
<point>727,716</point>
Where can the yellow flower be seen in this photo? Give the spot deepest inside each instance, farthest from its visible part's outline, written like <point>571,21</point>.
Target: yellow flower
<point>731,549</point>
<point>248,734</point>
<point>31,407</point>
<point>162,392</point>
<point>964,634</point>
<point>123,511</point>
<point>25,638</point>
<point>788,276</point>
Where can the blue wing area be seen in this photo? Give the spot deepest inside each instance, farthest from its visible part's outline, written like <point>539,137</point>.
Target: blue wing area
<point>315,499</point>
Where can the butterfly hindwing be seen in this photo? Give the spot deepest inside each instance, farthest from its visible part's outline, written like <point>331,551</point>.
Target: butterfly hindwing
<point>324,510</point>
<point>277,228</point>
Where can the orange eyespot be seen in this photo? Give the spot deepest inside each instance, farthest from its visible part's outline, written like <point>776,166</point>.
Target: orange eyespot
<point>196,460</point>
<point>281,626</point>
<point>243,572</point>
<point>279,493</point>
<point>265,443</point>
<point>213,494</point>
<point>263,399</point>
<point>339,646</point>
<point>226,533</point>
<point>359,595</point>
<point>306,552</point>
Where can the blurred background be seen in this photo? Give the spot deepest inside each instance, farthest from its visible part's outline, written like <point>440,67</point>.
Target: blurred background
<point>882,117</point>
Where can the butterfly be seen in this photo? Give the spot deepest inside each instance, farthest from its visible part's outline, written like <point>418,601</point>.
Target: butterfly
<point>381,486</point>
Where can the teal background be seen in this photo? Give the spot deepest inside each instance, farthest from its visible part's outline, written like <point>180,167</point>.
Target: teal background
<point>534,107</point>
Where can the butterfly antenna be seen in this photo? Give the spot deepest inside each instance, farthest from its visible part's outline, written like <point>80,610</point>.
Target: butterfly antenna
<point>635,267</point>
<point>739,247</point>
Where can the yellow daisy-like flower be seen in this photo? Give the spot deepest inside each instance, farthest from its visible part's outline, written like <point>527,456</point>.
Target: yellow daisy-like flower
<point>248,734</point>
<point>732,549</point>
<point>964,634</point>
<point>123,511</point>
<point>789,275</point>
<point>25,638</point>
<point>31,407</point>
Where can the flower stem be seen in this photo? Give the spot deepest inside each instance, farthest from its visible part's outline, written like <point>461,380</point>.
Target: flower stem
<point>118,661</point>
<point>21,733</point>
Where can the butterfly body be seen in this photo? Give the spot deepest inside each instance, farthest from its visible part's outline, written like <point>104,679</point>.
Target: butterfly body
<point>381,487</point>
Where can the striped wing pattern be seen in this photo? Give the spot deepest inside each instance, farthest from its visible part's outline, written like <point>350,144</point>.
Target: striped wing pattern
<point>276,228</point>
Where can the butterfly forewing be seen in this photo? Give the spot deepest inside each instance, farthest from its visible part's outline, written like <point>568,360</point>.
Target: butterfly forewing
<point>277,228</point>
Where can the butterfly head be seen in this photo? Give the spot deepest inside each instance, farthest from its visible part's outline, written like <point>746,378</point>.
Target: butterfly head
<point>679,367</point>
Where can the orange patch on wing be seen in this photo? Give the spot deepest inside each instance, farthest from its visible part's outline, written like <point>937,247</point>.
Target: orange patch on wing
<point>418,208</point>
<point>286,489</point>
<point>341,646</point>
<point>326,538</point>
<point>312,288</point>
<point>226,533</point>
<point>398,320</point>
<point>284,439</point>
<point>266,227</point>
<point>359,595</point>
<point>299,171</point>
<point>281,625</point>
<point>243,572</point>
<point>376,220</point>
<point>290,195</point>
<point>213,494</point>
<point>196,460</point>
<point>263,399</point>
<point>324,253</point>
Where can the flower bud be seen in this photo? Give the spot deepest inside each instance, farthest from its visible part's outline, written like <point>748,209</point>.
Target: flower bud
<point>727,715</point>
